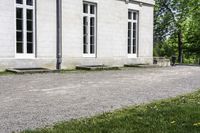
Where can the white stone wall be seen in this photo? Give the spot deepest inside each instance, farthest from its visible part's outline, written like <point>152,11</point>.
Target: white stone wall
<point>46,36</point>
<point>111,34</point>
<point>7,26</point>
<point>46,29</point>
<point>112,23</point>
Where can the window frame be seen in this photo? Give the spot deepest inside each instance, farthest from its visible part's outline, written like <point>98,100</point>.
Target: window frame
<point>25,7</point>
<point>133,54</point>
<point>88,15</point>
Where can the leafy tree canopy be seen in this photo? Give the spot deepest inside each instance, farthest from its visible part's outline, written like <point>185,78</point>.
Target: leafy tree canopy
<point>177,22</point>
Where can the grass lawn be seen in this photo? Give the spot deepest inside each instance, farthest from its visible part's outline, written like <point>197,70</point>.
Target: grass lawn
<point>177,115</point>
<point>5,73</point>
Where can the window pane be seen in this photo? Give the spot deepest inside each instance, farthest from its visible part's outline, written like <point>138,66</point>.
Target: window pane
<point>85,41</point>
<point>92,40</point>
<point>19,25</point>
<point>92,31</point>
<point>29,26</point>
<point>129,29</point>
<point>19,13</point>
<point>134,30</point>
<point>85,21</point>
<point>134,34</point>
<point>92,9</point>
<point>129,25</point>
<point>85,25</point>
<point>129,33</point>
<point>29,20</point>
<point>85,8</point>
<point>85,49</point>
<point>19,1</point>
<point>19,36</point>
<point>129,46</point>
<point>30,48</point>
<point>134,46</point>
<point>29,37</point>
<point>134,26</point>
<point>19,47</point>
<point>92,49</point>
<point>134,16</point>
<point>29,14</point>
<point>92,21</point>
<point>29,2</point>
<point>85,30</point>
<point>129,15</point>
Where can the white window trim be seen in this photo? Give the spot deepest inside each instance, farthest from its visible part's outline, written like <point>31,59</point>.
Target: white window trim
<point>134,55</point>
<point>25,55</point>
<point>89,55</point>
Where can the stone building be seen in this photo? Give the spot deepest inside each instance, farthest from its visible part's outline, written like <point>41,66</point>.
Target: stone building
<point>34,33</point>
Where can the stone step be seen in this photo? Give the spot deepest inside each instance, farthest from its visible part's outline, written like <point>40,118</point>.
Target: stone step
<point>28,70</point>
<point>141,65</point>
<point>97,67</point>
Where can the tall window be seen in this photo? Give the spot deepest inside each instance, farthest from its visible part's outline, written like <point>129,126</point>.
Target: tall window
<point>132,33</point>
<point>89,29</point>
<point>25,28</point>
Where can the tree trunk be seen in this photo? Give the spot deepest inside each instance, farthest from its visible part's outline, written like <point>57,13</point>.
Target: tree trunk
<point>180,47</point>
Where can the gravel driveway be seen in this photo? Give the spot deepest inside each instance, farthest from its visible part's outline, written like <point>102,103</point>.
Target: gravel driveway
<point>31,101</point>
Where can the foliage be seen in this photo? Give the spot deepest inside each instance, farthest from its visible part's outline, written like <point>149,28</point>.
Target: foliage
<point>177,22</point>
<point>166,49</point>
<point>193,30</point>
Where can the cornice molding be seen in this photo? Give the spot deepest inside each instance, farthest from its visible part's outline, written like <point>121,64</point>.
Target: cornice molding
<point>141,2</point>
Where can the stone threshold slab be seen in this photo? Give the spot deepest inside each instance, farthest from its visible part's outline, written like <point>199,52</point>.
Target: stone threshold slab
<point>29,70</point>
<point>141,65</point>
<point>97,67</point>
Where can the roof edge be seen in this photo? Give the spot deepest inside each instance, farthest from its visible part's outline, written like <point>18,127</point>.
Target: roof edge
<point>147,2</point>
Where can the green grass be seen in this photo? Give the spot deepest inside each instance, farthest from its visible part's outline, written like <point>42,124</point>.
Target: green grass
<point>177,115</point>
<point>2,73</point>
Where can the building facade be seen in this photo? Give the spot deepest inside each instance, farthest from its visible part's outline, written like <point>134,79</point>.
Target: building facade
<point>94,32</point>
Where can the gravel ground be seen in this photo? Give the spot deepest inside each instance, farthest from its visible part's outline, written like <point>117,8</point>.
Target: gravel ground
<point>31,101</point>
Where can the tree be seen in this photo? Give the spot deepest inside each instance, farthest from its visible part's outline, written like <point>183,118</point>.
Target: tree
<point>170,16</point>
<point>193,30</point>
